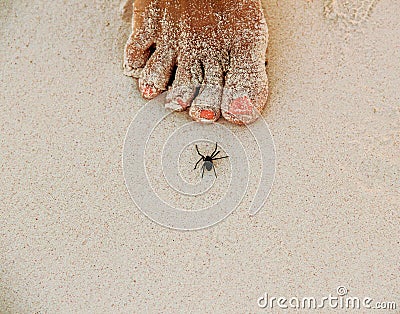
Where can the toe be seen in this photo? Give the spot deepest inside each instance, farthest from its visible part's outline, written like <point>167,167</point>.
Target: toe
<point>179,98</point>
<point>239,109</point>
<point>135,58</point>
<point>137,49</point>
<point>243,102</point>
<point>187,79</point>
<point>246,85</point>
<point>157,72</point>
<point>206,107</point>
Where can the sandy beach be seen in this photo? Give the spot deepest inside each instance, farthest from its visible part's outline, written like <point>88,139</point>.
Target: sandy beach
<point>73,241</point>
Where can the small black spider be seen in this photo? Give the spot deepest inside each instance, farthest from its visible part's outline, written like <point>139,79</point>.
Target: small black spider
<point>208,160</point>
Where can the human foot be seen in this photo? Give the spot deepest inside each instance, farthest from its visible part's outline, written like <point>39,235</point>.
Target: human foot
<point>218,47</point>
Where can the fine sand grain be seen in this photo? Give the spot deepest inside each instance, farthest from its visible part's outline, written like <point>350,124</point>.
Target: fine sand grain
<point>71,239</point>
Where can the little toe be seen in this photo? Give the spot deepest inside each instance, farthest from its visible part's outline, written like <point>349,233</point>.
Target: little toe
<point>135,59</point>
<point>137,48</point>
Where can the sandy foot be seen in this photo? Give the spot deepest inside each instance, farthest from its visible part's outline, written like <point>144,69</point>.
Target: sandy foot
<point>217,48</point>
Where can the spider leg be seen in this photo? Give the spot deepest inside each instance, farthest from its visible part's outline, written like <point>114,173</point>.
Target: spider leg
<point>220,158</point>
<point>198,162</point>
<point>216,147</point>
<point>202,172</point>
<point>213,155</point>
<point>215,172</point>
<point>199,152</point>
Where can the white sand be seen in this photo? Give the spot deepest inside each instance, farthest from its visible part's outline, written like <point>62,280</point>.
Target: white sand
<point>71,239</point>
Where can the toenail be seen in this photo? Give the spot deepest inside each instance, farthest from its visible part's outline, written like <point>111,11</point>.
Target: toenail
<point>149,91</point>
<point>207,114</point>
<point>182,103</point>
<point>241,106</point>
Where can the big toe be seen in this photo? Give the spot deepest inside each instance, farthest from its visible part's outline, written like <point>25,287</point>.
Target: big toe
<point>246,85</point>
<point>245,105</point>
<point>246,88</point>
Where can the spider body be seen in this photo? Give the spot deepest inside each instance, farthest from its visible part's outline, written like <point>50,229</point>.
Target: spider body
<point>208,164</point>
<point>208,160</point>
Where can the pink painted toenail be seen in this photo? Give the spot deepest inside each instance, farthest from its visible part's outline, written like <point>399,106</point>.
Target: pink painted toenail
<point>182,103</point>
<point>241,106</point>
<point>207,114</point>
<point>149,92</point>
